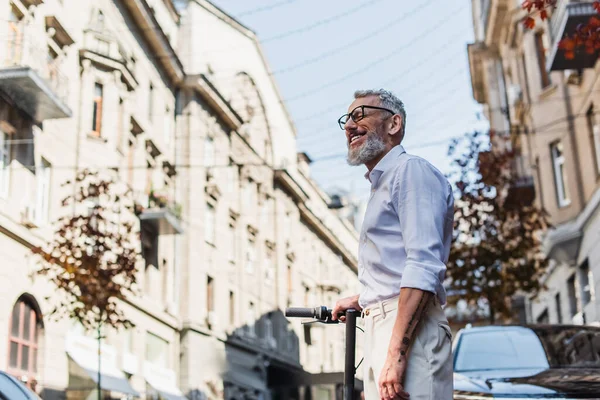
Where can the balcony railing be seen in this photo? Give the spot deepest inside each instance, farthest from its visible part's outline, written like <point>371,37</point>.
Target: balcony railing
<point>30,76</point>
<point>161,212</point>
<point>564,21</point>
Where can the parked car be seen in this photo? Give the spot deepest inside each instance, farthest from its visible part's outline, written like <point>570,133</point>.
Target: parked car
<point>12,389</point>
<point>525,362</point>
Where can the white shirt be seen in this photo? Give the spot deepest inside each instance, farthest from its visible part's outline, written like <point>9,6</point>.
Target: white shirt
<point>407,229</point>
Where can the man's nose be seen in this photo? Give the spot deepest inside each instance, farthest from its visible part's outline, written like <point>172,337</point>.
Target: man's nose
<point>350,126</point>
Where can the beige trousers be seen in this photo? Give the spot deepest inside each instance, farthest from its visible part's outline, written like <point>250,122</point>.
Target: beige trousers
<point>429,372</point>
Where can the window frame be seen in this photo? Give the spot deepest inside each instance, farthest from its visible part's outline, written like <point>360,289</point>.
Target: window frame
<point>98,99</point>
<point>5,154</point>
<point>560,174</point>
<point>43,176</point>
<point>32,343</point>
<point>210,219</point>
<point>594,129</point>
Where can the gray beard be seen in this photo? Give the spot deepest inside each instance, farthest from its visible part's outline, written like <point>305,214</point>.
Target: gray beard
<point>372,148</point>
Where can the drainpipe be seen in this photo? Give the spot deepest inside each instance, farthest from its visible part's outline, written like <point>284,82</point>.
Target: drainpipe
<point>85,66</point>
<point>573,139</point>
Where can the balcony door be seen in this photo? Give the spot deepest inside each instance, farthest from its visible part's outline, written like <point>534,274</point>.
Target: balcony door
<point>15,38</point>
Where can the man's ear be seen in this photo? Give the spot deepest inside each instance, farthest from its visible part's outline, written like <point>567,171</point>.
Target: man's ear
<point>396,125</point>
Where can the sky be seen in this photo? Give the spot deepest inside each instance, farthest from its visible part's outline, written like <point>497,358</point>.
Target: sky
<point>322,51</point>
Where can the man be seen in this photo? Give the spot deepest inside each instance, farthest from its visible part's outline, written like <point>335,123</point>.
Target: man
<point>404,245</point>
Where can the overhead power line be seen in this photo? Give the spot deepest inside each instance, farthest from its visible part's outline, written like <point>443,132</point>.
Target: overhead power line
<point>321,22</point>
<point>265,8</point>
<point>370,65</point>
<point>350,44</point>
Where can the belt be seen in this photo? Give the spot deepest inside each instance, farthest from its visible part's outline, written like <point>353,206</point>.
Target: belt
<point>385,306</point>
<point>381,307</point>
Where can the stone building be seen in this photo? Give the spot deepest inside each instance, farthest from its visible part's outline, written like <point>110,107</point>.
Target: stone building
<point>545,106</point>
<point>233,229</point>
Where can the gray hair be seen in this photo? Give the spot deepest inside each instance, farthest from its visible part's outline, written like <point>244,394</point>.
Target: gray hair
<point>388,100</point>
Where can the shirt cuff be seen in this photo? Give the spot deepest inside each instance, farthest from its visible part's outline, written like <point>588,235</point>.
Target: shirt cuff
<point>419,277</point>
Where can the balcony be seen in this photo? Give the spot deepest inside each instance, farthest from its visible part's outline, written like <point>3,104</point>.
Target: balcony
<point>161,213</point>
<point>30,77</point>
<point>564,21</point>
<point>521,191</point>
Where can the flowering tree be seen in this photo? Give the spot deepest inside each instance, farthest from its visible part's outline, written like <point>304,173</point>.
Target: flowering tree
<point>92,256</point>
<point>586,36</point>
<point>496,251</point>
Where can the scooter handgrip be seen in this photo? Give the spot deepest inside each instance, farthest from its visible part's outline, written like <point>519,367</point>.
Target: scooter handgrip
<point>299,312</point>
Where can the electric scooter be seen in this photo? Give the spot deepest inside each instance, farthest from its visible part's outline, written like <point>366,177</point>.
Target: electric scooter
<point>323,315</point>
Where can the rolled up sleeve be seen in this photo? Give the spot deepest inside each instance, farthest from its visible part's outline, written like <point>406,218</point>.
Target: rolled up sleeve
<point>420,195</point>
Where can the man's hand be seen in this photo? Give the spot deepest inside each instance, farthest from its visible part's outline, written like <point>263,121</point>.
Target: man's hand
<point>412,307</point>
<point>345,304</point>
<point>391,380</point>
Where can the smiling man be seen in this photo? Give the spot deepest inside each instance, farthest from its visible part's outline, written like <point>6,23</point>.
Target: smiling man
<point>404,245</point>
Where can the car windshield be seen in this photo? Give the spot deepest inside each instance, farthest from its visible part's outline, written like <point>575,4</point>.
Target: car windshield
<point>524,348</point>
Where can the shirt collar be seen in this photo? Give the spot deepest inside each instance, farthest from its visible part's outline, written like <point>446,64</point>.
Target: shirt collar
<point>384,164</point>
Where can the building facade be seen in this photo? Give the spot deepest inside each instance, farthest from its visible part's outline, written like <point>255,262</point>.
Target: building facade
<point>544,106</point>
<point>232,228</point>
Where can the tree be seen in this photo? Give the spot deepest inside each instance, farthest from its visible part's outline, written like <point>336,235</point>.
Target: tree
<point>496,252</point>
<point>586,36</point>
<point>93,254</point>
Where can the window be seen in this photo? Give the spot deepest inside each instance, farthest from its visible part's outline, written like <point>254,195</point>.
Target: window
<point>250,319</point>
<point>97,110</point>
<point>130,161</point>
<point>23,340</point>
<point>572,295</point>
<point>289,280</point>
<point>269,270</point>
<point>250,257</point>
<point>231,178</point>
<point>543,317</point>
<point>501,349</point>
<point>594,128</point>
<point>149,245</point>
<point>269,327</point>
<point>42,176</point>
<point>250,194</point>
<point>120,125</point>
<point>560,175</point>
<point>129,337</point>
<point>541,48</point>
<point>209,151</point>
<point>233,241</point>
<point>209,224</point>
<point>157,350</point>
<point>231,308</point>
<point>150,102</point>
<point>584,278</point>
<point>168,132</point>
<point>558,304</point>
<point>210,294</point>
<point>4,163</point>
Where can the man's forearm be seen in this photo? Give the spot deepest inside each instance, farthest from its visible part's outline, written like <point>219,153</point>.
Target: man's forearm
<point>412,306</point>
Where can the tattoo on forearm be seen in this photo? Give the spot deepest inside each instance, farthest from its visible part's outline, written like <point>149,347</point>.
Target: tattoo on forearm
<point>415,318</point>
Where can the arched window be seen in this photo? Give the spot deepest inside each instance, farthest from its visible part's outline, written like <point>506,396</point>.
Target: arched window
<point>23,340</point>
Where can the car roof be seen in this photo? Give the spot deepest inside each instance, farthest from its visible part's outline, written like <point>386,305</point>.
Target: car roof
<point>11,387</point>
<point>532,327</point>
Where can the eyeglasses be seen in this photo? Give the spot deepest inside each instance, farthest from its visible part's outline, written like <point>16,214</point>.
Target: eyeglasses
<point>359,113</point>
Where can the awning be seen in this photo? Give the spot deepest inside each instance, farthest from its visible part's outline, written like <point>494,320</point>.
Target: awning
<point>83,352</point>
<point>163,381</point>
